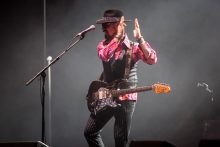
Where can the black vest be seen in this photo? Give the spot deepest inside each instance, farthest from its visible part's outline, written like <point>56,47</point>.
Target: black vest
<point>114,69</point>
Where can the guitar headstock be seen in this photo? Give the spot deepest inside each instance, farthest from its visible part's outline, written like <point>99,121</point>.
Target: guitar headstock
<point>161,88</point>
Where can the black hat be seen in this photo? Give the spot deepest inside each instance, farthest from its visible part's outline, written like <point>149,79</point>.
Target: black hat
<point>111,15</point>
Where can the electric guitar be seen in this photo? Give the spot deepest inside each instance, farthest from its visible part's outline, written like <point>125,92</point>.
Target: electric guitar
<point>102,95</point>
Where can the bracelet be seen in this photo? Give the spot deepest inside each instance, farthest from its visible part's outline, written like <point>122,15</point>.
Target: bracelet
<point>140,40</point>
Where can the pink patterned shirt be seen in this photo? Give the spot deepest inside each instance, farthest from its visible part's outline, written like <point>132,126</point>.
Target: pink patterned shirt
<point>105,52</point>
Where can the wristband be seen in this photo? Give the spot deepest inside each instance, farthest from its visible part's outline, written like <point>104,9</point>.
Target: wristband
<point>140,40</point>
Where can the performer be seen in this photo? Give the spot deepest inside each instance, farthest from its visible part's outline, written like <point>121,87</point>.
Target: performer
<point>112,51</point>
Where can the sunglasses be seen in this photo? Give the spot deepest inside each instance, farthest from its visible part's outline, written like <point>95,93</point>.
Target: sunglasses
<point>106,25</point>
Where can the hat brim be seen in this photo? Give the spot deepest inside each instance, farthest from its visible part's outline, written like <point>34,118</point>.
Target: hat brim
<point>109,19</point>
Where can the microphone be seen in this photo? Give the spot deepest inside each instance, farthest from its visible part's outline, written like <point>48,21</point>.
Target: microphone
<point>82,34</point>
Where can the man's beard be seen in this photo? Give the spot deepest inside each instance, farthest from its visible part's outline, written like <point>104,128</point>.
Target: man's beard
<point>108,37</point>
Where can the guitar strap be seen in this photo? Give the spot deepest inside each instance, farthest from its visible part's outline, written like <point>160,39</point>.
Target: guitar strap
<point>101,77</point>
<point>128,60</point>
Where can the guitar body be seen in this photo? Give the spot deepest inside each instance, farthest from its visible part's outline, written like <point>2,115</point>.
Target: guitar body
<point>94,87</point>
<point>99,98</point>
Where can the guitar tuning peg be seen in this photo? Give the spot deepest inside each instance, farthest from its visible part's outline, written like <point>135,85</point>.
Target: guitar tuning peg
<point>161,88</point>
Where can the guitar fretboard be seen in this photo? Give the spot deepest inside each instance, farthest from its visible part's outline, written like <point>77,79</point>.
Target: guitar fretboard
<point>132,90</point>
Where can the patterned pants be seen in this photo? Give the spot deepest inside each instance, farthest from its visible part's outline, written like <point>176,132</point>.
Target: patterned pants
<point>122,114</point>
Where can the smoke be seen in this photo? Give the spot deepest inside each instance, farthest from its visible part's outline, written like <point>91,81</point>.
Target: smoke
<point>183,33</point>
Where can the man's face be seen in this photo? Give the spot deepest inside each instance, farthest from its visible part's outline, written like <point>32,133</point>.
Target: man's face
<point>110,28</point>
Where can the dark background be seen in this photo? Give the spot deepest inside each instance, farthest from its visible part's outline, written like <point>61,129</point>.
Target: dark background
<point>185,35</point>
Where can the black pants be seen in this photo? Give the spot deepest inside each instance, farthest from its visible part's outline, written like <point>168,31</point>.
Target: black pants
<point>123,115</point>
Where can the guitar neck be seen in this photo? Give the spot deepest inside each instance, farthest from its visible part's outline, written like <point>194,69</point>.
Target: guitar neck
<point>132,90</point>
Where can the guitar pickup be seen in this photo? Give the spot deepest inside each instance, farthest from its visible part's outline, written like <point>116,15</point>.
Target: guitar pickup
<point>103,93</point>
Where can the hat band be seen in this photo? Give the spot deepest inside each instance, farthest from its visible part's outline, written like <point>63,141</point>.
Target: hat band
<point>108,19</point>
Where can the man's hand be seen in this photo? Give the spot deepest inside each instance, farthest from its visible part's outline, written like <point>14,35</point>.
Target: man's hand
<point>137,32</point>
<point>121,27</point>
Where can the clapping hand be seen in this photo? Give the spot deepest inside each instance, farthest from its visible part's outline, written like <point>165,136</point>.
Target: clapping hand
<point>121,27</point>
<point>137,32</point>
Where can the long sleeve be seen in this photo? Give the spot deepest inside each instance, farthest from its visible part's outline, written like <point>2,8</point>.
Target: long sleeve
<point>105,52</point>
<point>152,58</point>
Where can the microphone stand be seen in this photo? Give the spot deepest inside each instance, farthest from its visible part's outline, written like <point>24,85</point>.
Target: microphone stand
<point>43,75</point>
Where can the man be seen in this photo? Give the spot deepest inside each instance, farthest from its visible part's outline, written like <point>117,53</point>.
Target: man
<point>113,53</point>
